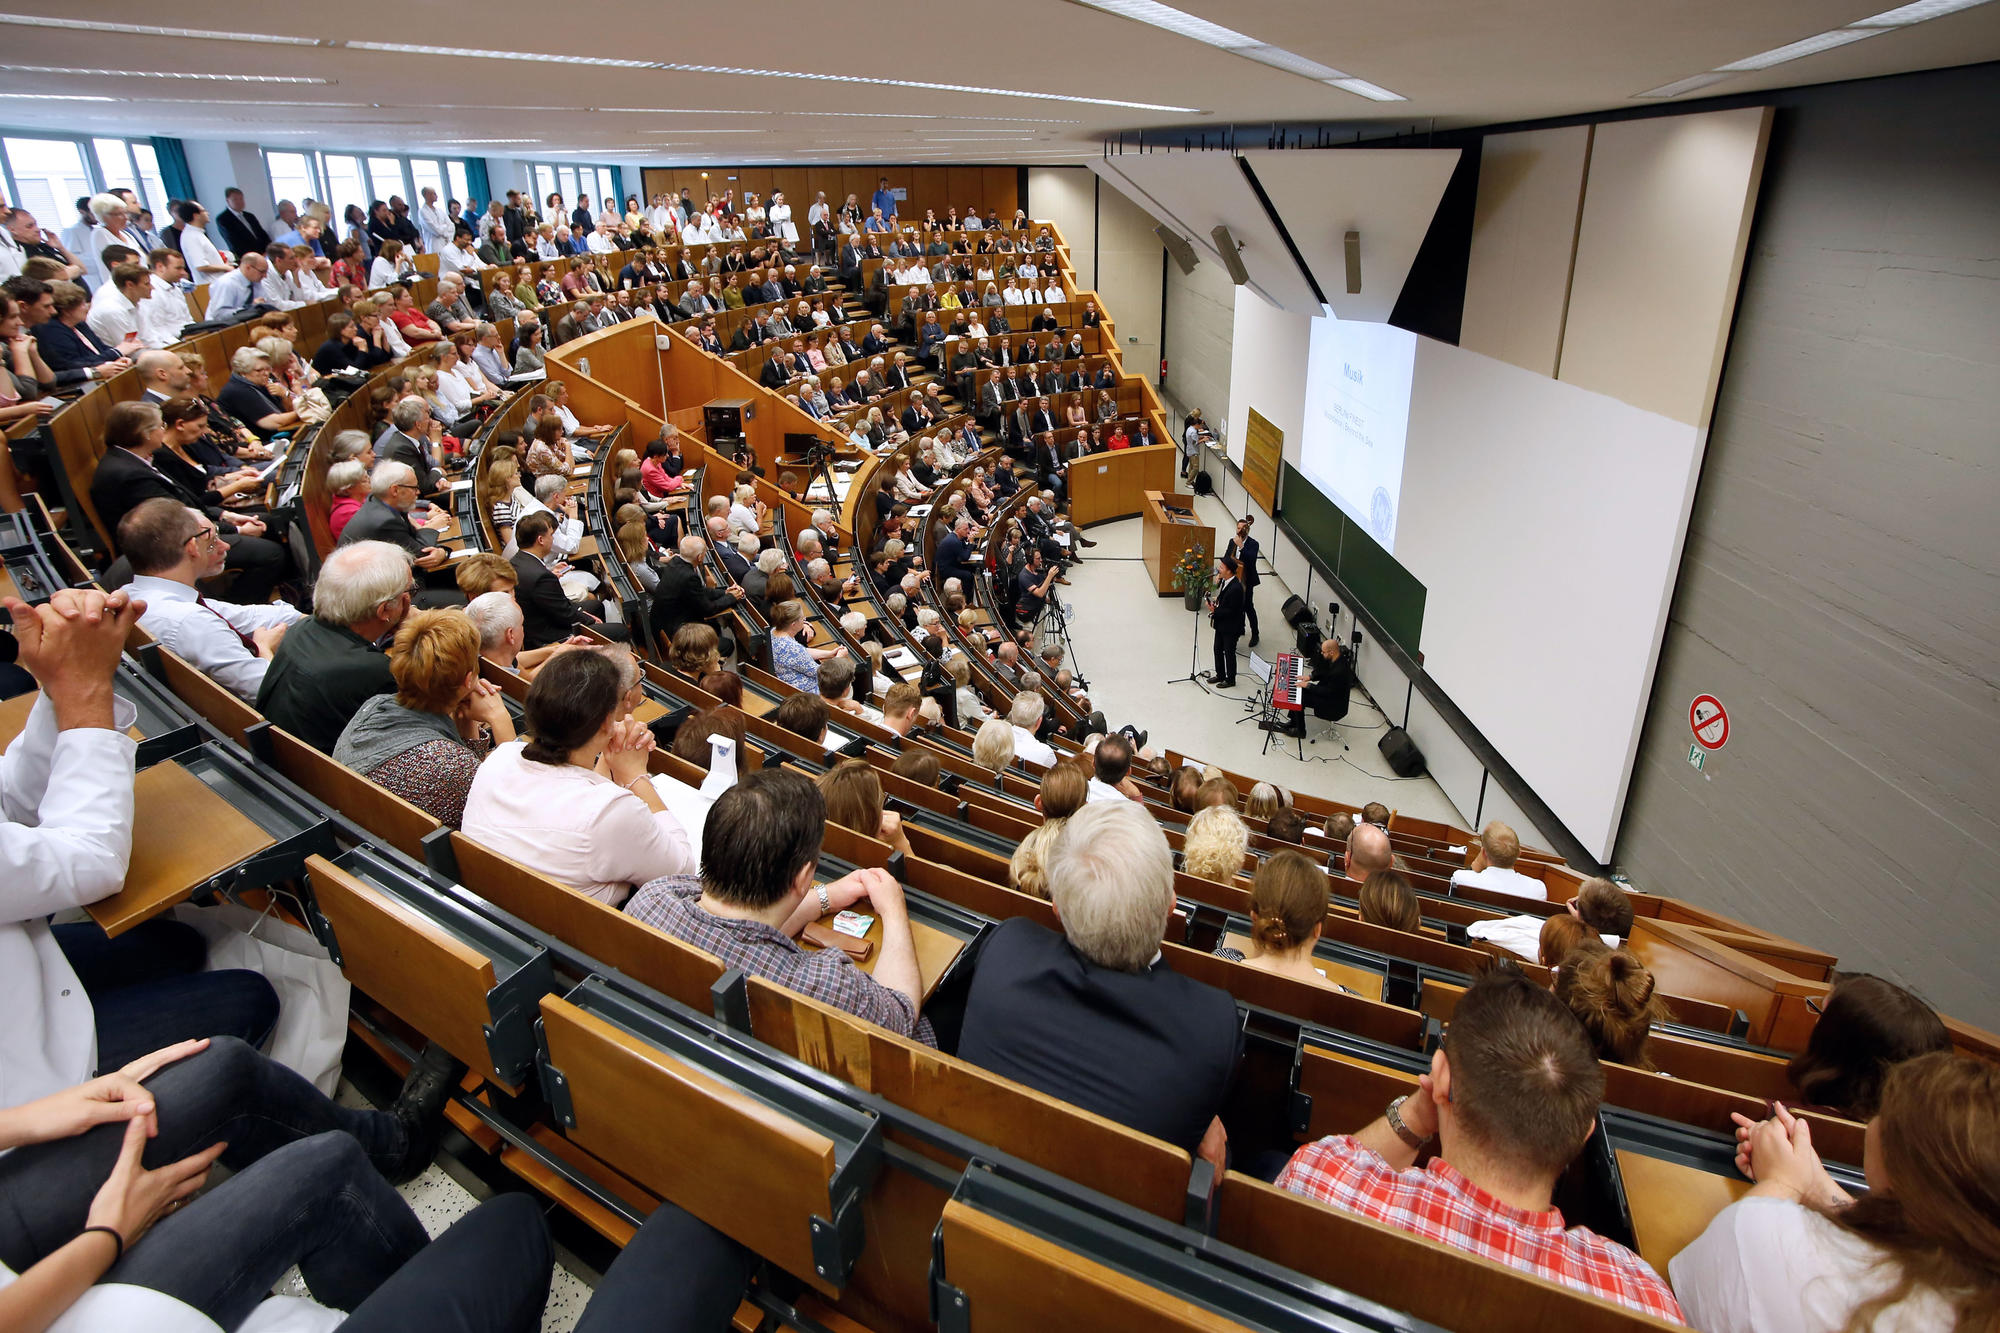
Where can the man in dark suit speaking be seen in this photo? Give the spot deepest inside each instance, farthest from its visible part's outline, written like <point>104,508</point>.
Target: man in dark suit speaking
<point>1244,547</point>
<point>1226,615</point>
<point>1093,1015</point>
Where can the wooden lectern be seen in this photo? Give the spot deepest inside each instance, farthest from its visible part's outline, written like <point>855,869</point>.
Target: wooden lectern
<point>1167,535</point>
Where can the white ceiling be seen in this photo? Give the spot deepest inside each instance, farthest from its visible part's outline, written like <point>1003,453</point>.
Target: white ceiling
<point>1458,62</point>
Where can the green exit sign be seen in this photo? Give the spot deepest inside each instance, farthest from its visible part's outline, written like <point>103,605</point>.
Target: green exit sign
<point>1697,758</point>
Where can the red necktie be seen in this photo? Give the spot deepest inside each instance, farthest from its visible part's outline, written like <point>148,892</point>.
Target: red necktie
<point>249,644</point>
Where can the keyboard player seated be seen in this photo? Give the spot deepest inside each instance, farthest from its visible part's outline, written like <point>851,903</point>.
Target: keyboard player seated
<point>1326,693</point>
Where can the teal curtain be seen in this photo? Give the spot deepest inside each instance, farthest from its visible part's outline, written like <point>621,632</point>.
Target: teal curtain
<point>475,184</point>
<point>174,169</point>
<point>618,186</point>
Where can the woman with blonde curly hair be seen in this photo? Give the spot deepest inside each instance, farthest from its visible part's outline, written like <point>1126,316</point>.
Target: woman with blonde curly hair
<point>1216,844</point>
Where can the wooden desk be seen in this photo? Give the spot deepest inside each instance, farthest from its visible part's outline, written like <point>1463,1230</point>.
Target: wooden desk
<point>935,949</point>
<point>1164,540</point>
<point>184,836</point>
<point>1113,484</point>
<point>1672,1204</point>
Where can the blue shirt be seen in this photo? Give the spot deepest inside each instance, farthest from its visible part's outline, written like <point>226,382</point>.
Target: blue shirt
<point>886,201</point>
<point>793,663</point>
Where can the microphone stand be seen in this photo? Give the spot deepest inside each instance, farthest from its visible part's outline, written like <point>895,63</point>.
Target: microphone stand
<point>1194,656</point>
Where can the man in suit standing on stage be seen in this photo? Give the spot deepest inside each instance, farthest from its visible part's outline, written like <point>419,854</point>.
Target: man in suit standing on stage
<point>1244,547</point>
<point>1226,615</point>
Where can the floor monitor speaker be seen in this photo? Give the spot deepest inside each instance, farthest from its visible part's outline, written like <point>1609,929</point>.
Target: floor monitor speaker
<point>1402,753</point>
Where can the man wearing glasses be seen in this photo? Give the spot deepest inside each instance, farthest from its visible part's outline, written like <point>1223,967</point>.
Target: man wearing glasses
<point>386,516</point>
<point>172,548</point>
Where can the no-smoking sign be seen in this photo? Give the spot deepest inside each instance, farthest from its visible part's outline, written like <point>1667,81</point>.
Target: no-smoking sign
<point>1709,722</point>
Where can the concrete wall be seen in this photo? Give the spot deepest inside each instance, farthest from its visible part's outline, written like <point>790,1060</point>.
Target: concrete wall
<point>1199,339</point>
<point>1112,244</point>
<point>1840,589</point>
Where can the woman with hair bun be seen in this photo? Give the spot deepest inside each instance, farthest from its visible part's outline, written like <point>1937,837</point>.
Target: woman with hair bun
<point>1287,914</point>
<point>1611,993</point>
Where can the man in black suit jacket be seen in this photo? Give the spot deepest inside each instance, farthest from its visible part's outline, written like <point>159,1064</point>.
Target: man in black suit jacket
<point>385,517</point>
<point>406,441</point>
<point>240,228</point>
<point>1093,1015</point>
<point>1328,690</point>
<point>954,558</point>
<point>1244,547</point>
<point>776,372</point>
<point>126,476</point>
<point>682,594</point>
<point>547,614</point>
<point>1226,615</point>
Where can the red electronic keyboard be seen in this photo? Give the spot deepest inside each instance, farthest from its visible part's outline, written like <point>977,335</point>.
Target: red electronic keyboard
<point>1287,683</point>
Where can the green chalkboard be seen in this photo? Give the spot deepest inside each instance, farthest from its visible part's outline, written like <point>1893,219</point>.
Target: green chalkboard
<point>1385,590</point>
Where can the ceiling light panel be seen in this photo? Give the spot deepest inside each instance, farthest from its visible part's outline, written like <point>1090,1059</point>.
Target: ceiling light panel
<point>1681,86</point>
<point>1916,13</point>
<point>1183,24</point>
<point>1778,55</point>
<point>161,74</point>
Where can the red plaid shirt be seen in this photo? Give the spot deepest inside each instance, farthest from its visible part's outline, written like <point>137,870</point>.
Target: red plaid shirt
<point>1440,1204</point>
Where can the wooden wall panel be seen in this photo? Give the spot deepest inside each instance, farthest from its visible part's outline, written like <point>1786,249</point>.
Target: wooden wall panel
<point>1666,222</point>
<point>754,178</point>
<point>929,188</point>
<point>995,189</point>
<point>1001,191</point>
<point>1523,242</point>
<point>826,181</point>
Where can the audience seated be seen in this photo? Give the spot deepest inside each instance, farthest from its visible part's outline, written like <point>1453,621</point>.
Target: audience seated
<point>993,745</point>
<point>101,1241</point>
<point>503,638</point>
<point>1612,995</point>
<point>551,615</point>
<point>1386,899</point>
<point>386,517</point>
<point>1489,863</point>
<point>1287,916</point>
<point>1918,1251</point>
<point>1599,904</point>
<point>574,800</point>
<point>1025,716</point>
<point>1562,936</point>
<point>1510,1099</point>
<point>1064,791</point>
<point>1094,1015</point>
<point>1367,853</point>
<point>1216,790</point>
<point>171,548</point>
<point>327,666</point>
<point>1112,767</point>
<point>853,796</point>
<point>127,475</point>
<point>683,594</point>
<point>755,894</point>
<point>803,714</point>
<point>78,1002</point>
<point>1866,1026</point>
<point>425,741</point>
<point>1216,844</point>
<point>1288,825</point>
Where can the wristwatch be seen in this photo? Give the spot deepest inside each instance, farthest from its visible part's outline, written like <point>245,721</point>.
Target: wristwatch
<point>825,903</point>
<point>1394,1115</point>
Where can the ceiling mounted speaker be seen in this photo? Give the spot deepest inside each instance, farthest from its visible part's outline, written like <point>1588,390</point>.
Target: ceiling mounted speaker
<point>1226,244</point>
<point>1353,263</point>
<point>1182,252</point>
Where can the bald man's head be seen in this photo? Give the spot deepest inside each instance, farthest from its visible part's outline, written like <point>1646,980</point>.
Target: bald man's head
<point>1367,852</point>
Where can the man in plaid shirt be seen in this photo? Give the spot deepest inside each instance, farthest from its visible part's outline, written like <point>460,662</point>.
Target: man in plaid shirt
<point>755,893</point>
<point>1510,1100</point>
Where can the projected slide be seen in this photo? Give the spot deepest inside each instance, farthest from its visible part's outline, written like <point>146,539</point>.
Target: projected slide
<point>1357,415</point>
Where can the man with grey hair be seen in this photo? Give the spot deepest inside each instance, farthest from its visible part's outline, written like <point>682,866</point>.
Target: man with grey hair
<point>683,595</point>
<point>1095,1015</point>
<point>1025,716</point>
<point>408,440</point>
<point>386,517</point>
<point>327,666</point>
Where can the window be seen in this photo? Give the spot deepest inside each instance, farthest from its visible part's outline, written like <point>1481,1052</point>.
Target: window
<point>455,172</point>
<point>385,177</point>
<point>566,182</point>
<point>291,178</point>
<point>425,175</point>
<point>152,185</point>
<point>47,177</point>
<point>345,186</point>
<point>545,185</point>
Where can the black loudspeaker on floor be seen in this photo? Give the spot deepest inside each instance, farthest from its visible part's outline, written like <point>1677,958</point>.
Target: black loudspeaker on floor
<point>1402,753</point>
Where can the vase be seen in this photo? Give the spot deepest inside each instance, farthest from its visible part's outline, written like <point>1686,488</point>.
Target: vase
<point>1191,600</point>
